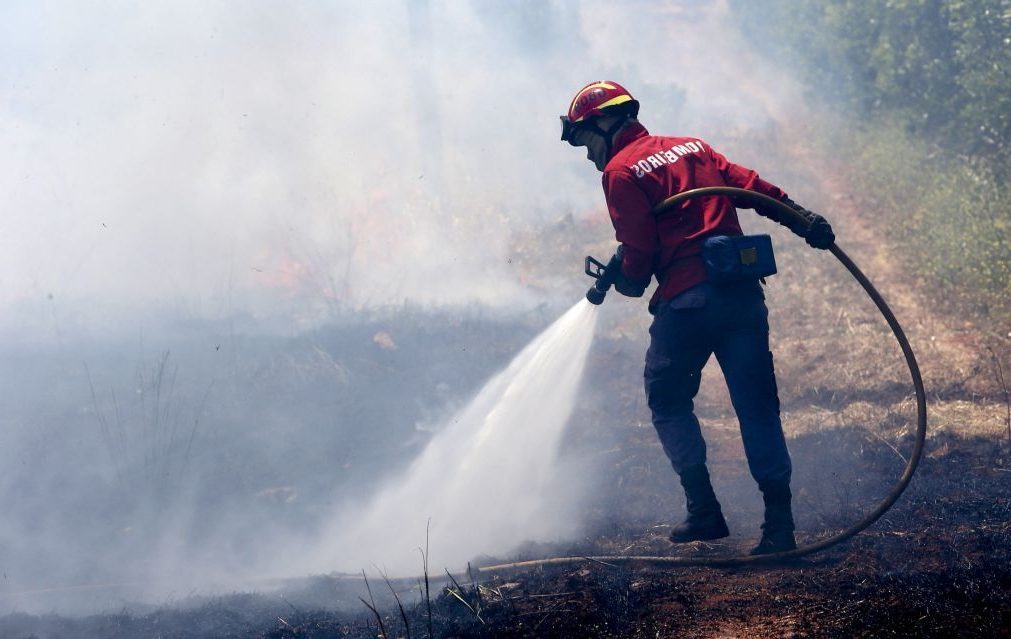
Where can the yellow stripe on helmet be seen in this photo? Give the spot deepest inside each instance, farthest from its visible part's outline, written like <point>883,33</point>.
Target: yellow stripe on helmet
<point>595,85</point>
<point>613,101</point>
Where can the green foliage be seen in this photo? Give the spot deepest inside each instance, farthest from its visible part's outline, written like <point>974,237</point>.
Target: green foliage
<point>926,86</point>
<point>984,56</point>
<point>941,68</point>
<point>953,220</point>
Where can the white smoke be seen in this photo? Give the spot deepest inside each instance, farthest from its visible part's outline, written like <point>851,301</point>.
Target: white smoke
<point>280,165</point>
<point>197,157</point>
<point>487,481</point>
<point>297,160</point>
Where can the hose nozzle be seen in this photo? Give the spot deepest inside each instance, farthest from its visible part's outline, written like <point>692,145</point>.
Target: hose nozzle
<point>595,296</point>
<point>604,276</point>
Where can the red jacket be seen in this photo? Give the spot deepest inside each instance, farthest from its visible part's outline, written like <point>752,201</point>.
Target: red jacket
<point>647,169</point>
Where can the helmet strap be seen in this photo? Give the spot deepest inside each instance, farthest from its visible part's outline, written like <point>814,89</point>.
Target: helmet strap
<point>609,133</point>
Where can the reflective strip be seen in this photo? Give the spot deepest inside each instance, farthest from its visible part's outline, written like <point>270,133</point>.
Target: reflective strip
<point>614,101</point>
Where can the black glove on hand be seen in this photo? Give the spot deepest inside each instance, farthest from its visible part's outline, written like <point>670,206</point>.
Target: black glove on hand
<point>622,284</point>
<point>630,288</point>
<point>819,233</point>
<point>815,229</point>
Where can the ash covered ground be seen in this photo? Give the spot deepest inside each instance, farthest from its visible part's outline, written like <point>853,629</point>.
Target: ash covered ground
<point>149,465</point>
<point>935,565</point>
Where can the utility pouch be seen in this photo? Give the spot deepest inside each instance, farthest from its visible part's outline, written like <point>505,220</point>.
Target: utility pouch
<point>738,258</point>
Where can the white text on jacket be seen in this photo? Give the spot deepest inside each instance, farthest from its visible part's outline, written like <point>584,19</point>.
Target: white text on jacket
<point>670,156</point>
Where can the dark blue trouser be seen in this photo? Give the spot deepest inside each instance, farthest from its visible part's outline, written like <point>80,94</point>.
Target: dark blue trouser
<point>732,322</point>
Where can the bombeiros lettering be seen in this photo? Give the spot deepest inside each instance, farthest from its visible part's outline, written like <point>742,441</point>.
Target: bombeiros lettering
<point>670,156</point>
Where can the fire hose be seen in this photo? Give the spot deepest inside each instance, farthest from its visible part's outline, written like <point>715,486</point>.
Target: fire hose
<point>882,507</point>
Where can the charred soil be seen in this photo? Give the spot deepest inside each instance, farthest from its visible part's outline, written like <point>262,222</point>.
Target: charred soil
<point>936,565</point>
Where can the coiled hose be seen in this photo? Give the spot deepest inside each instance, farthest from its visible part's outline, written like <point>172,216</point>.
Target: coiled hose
<point>870,518</point>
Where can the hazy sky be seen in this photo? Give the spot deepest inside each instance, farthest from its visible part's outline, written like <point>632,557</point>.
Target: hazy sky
<point>278,163</point>
<point>211,158</point>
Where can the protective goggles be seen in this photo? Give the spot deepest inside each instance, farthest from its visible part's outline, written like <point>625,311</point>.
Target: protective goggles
<point>576,133</point>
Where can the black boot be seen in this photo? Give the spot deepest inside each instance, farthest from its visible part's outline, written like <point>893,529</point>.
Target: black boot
<point>777,531</point>
<point>705,518</point>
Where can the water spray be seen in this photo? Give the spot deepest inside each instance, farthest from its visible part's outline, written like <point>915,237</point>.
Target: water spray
<point>488,480</point>
<point>558,354</point>
<point>599,290</point>
<point>514,388</point>
<point>520,378</point>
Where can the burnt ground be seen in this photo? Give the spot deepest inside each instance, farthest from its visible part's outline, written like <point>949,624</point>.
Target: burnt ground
<point>938,564</point>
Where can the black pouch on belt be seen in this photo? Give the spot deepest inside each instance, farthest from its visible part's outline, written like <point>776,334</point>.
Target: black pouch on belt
<point>738,258</point>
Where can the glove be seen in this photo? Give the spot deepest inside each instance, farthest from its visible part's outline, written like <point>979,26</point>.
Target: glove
<point>630,288</point>
<point>819,233</point>
<point>815,229</point>
<point>622,284</point>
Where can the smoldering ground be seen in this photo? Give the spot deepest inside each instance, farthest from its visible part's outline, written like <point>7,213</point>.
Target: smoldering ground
<point>252,259</point>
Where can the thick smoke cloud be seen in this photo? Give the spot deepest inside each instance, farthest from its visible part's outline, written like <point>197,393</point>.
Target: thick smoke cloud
<point>211,160</point>
<point>275,167</point>
<point>207,160</point>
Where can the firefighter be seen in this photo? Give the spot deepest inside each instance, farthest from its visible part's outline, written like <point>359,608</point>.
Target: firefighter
<point>694,318</point>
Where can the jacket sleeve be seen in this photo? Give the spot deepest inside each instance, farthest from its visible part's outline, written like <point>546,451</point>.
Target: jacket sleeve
<point>743,177</point>
<point>634,224</point>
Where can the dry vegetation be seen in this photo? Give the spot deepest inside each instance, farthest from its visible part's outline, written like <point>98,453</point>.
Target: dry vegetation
<point>936,565</point>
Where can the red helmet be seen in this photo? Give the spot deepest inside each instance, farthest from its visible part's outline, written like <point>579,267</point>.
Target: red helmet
<point>598,99</point>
